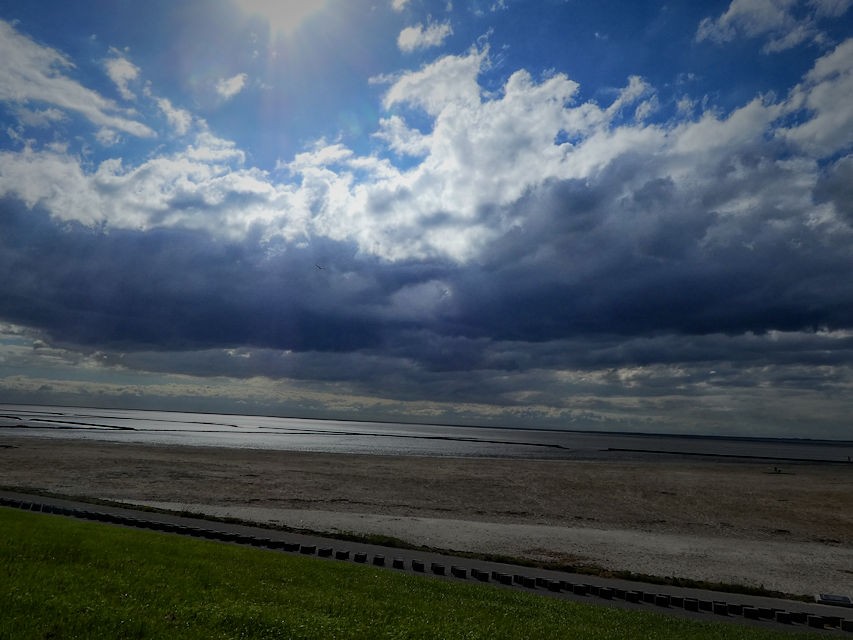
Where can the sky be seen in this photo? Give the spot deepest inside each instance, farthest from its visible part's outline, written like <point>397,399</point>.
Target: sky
<point>615,215</point>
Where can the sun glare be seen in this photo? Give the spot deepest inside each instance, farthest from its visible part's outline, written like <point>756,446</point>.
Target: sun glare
<point>284,16</point>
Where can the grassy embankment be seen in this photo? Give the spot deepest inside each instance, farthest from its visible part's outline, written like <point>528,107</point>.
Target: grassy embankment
<point>392,542</point>
<point>61,578</point>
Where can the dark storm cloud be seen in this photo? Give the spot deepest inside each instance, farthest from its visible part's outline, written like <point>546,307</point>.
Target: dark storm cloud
<point>674,243</point>
<point>174,289</point>
<point>836,186</point>
<point>599,274</point>
<point>598,371</point>
<point>595,260</point>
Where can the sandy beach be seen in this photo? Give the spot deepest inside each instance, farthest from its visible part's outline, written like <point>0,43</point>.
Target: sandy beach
<point>733,522</point>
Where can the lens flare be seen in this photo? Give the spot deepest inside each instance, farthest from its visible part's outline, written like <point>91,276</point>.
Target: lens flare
<point>284,16</point>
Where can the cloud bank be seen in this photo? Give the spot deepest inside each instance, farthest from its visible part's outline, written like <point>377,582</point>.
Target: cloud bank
<point>521,254</point>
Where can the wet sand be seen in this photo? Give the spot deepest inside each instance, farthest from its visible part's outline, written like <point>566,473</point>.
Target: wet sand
<point>738,522</point>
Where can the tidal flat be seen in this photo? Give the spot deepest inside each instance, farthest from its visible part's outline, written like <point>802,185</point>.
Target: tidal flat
<point>784,527</point>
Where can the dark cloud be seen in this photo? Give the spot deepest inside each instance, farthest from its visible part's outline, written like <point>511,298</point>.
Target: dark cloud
<point>626,268</point>
<point>603,259</point>
<point>836,187</point>
<point>175,289</point>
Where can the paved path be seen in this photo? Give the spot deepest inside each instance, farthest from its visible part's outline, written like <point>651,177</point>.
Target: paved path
<point>690,603</point>
<point>783,567</point>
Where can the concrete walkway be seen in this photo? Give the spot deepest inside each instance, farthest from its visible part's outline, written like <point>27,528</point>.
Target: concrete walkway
<point>700,604</point>
<point>785,567</point>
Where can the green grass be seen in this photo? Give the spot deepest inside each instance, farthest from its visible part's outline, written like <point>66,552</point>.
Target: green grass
<point>61,578</point>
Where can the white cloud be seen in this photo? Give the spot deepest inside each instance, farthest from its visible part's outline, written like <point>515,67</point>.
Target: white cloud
<point>646,108</point>
<point>423,37</point>
<point>636,89</point>
<point>484,154</point>
<point>322,156</point>
<point>179,119</point>
<point>55,180</point>
<point>710,133</point>
<point>204,186</point>
<point>400,138</point>
<point>752,17</point>
<point>33,73</point>
<point>121,71</point>
<point>480,155</point>
<point>39,117</point>
<point>476,158</point>
<point>399,5</point>
<point>825,94</point>
<point>227,88</point>
<point>831,8</point>
<point>783,23</point>
<point>685,106</point>
<point>451,79</point>
<point>107,137</point>
<point>790,38</point>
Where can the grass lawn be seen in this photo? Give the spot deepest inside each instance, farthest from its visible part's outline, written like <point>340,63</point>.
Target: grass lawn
<point>61,578</point>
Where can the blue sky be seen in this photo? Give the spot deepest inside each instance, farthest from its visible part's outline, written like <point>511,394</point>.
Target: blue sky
<point>612,215</point>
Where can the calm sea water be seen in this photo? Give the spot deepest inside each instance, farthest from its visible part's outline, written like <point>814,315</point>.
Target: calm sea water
<point>298,434</point>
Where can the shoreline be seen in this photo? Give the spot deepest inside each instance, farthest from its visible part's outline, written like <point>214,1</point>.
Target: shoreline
<point>734,522</point>
<point>403,439</point>
<point>540,429</point>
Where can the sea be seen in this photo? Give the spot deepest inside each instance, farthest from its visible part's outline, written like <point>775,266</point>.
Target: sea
<point>399,438</point>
